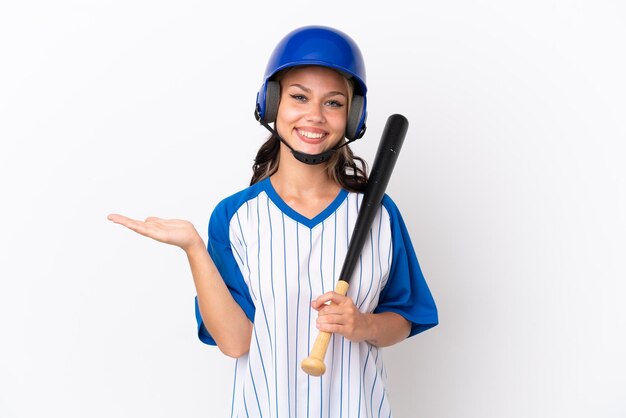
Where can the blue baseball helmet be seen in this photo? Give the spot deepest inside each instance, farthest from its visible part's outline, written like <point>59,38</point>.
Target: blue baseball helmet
<point>323,46</point>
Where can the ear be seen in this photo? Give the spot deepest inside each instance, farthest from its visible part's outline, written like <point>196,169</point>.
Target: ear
<point>272,98</point>
<point>353,128</point>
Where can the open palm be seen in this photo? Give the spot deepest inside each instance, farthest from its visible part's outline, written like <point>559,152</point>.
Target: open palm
<point>176,232</point>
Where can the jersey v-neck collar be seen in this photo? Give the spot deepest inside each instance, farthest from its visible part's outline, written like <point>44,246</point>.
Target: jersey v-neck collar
<point>296,216</point>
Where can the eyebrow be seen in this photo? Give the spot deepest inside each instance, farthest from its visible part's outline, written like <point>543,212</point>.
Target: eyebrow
<point>308,90</point>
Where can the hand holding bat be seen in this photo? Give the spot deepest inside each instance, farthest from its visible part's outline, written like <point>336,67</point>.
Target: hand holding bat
<point>341,316</point>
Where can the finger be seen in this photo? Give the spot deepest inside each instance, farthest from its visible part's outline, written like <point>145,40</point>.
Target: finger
<point>332,319</point>
<point>333,309</point>
<point>137,226</point>
<point>329,297</point>
<point>332,328</point>
<point>120,219</point>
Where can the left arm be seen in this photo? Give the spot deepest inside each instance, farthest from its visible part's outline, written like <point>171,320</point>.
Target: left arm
<point>341,316</point>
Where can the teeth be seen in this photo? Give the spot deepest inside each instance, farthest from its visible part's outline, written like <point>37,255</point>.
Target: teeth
<point>310,134</point>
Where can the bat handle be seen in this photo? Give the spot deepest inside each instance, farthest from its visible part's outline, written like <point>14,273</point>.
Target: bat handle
<point>314,364</point>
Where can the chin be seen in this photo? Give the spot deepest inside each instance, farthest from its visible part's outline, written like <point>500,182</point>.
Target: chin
<point>319,148</point>
<point>312,150</point>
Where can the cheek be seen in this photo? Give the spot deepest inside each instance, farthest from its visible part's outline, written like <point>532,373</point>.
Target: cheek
<point>286,119</point>
<point>288,114</point>
<point>338,121</point>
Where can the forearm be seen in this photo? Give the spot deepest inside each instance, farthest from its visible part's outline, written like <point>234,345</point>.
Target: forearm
<point>222,316</point>
<point>386,328</point>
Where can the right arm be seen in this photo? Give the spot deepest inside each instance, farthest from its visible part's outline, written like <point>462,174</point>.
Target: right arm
<point>222,316</point>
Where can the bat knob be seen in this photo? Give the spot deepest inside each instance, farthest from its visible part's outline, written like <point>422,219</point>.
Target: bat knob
<point>313,366</point>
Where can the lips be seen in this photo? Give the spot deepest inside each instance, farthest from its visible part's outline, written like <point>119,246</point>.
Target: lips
<point>311,136</point>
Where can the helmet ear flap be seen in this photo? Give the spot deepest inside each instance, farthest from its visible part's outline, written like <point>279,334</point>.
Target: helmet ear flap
<point>355,129</point>
<point>272,99</point>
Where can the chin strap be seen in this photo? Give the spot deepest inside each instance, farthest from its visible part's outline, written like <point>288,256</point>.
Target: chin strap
<point>311,159</point>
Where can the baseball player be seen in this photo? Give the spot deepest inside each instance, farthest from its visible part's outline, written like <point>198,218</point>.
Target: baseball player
<point>264,280</point>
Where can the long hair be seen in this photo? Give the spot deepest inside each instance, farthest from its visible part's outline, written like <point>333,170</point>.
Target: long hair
<point>346,169</point>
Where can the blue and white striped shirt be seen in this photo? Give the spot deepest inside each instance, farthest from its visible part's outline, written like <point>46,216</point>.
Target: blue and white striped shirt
<point>275,262</point>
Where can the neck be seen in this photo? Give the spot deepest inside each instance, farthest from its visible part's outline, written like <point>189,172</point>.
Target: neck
<point>296,178</point>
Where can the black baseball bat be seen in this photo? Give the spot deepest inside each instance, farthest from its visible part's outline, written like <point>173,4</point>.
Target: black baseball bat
<point>384,163</point>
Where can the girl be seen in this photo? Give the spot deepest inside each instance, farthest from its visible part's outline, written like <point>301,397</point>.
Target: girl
<point>275,248</point>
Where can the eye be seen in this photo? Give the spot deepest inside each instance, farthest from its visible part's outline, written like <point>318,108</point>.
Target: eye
<point>334,103</point>
<point>299,97</point>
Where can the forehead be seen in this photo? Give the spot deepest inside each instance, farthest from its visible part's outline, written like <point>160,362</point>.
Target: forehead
<point>315,77</point>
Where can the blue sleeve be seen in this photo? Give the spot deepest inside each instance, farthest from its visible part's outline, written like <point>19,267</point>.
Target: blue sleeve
<point>221,252</point>
<point>406,292</point>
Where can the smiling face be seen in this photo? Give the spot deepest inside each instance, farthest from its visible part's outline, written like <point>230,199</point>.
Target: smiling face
<point>313,107</point>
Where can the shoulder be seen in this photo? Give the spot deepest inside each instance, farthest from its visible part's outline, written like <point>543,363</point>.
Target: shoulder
<point>227,208</point>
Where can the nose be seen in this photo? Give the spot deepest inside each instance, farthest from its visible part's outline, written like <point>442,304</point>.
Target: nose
<point>315,112</point>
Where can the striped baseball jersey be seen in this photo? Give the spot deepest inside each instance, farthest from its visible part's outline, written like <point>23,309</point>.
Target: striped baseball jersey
<point>275,262</point>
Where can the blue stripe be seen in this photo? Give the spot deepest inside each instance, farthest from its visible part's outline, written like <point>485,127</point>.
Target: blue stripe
<point>243,392</point>
<point>322,258</point>
<point>237,254</point>
<point>375,379</point>
<point>381,404</point>
<point>383,371</point>
<point>267,325</point>
<point>360,386</point>
<point>372,275</point>
<point>380,265</point>
<point>255,392</point>
<point>343,339</point>
<point>245,404</point>
<point>297,318</point>
<point>267,386</point>
<point>332,368</point>
<point>308,272</point>
<point>389,257</point>
<point>335,249</point>
<point>247,256</point>
<point>232,403</point>
<point>286,316</point>
<point>347,230</point>
<point>321,396</point>
<point>349,374</point>
<point>332,342</point>
<point>341,380</point>
<point>269,218</point>
<point>322,280</point>
<point>261,298</point>
<point>369,348</point>
<point>254,387</point>
<point>358,292</point>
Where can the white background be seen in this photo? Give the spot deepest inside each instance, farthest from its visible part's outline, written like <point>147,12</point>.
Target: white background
<point>511,180</point>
